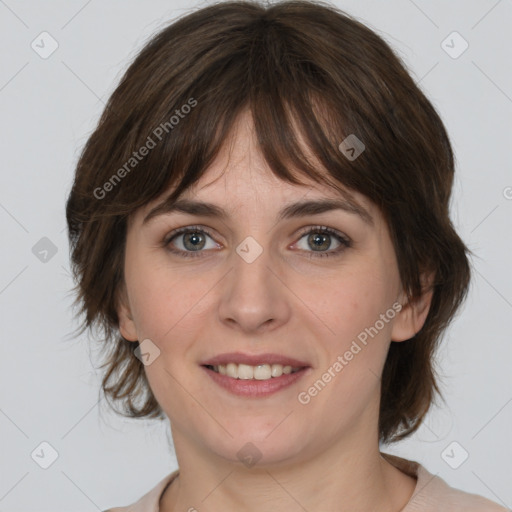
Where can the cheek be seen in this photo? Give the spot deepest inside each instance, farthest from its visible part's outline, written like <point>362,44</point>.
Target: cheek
<point>354,304</point>
<point>165,300</point>
<point>359,314</point>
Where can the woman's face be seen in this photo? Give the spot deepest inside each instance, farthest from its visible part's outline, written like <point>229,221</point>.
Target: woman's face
<point>253,283</point>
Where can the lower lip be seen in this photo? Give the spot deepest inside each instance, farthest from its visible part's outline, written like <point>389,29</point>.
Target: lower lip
<point>256,388</point>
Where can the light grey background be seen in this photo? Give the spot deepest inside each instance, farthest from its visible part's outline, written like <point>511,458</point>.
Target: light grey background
<point>49,384</point>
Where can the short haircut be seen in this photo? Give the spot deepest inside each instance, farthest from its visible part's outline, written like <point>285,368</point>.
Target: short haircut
<point>307,71</point>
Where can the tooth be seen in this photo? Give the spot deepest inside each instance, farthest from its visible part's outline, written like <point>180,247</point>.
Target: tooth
<point>245,371</point>
<point>277,370</point>
<point>232,370</point>
<point>262,372</point>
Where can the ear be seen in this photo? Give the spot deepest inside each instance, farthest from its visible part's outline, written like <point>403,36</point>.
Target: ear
<point>413,314</point>
<point>126,324</point>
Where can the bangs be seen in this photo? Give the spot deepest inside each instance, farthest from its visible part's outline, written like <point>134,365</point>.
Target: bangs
<point>294,106</point>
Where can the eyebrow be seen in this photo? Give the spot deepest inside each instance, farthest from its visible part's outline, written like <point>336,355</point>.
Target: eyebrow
<point>298,209</point>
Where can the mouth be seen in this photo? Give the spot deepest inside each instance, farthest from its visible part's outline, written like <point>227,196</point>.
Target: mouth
<point>258,381</point>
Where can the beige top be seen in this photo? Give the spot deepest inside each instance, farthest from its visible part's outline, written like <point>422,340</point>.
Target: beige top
<point>431,494</point>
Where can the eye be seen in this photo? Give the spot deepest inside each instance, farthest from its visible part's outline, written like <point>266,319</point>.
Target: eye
<point>193,240</point>
<point>320,237</point>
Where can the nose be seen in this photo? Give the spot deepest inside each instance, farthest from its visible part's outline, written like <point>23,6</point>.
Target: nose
<point>254,297</point>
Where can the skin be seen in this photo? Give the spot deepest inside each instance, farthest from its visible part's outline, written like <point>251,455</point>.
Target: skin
<point>320,456</point>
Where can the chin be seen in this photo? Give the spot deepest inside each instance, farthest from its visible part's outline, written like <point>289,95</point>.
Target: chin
<point>259,448</point>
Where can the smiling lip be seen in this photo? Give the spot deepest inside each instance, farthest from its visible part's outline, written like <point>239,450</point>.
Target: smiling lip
<point>254,359</point>
<point>252,387</point>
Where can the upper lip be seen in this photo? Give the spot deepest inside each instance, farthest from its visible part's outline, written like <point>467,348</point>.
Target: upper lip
<point>254,359</point>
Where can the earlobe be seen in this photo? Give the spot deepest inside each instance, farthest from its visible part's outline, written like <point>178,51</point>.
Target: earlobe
<point>412,316</point>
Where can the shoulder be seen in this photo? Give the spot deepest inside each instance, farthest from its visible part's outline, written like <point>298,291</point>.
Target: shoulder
<point>433,494</point>
<point>150,501</point>
<point>438,495</point>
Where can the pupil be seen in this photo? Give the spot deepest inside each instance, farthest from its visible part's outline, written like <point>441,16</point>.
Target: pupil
<point>319,240</point>
<point>195,239</point>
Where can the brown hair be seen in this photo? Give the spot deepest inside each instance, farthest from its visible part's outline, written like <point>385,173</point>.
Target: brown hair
<point>302,68</point>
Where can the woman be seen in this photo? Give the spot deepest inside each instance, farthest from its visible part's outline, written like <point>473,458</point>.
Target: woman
<point>260,223</point>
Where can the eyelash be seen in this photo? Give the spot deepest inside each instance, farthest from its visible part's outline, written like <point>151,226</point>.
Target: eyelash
<point>344,241</point>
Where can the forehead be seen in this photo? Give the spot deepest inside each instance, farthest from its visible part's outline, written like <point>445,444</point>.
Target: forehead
<point>290,201</point>
<point>240,178</point>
